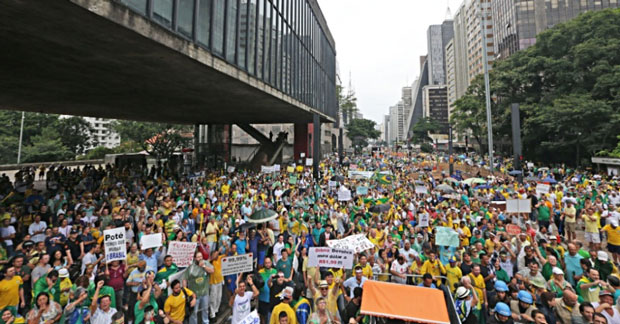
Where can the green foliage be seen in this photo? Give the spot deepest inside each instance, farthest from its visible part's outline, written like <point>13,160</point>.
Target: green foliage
<point>426,148</point>
<point>421,130</point>
<point>360,130</point>
<point>347,103</point>
<point>75,133</point>
<point>98,152</point>
<point>568,85</point>
<point>159,140</point>
<point>46,147</point>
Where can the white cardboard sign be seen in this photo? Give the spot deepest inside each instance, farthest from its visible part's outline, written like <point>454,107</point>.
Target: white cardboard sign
<point>150,241</point>
<point>518,206</point>
<point>330,258</point>
<point>114,242</point>
<point>237,264</point>
<point>182,253</point>
<point>357,243</point>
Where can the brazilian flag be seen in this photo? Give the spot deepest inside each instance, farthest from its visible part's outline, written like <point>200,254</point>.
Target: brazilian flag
<point>384,179</point>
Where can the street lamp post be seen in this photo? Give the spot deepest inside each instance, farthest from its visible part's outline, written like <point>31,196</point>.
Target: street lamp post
<point>487,88</point>
<point>21,136</point>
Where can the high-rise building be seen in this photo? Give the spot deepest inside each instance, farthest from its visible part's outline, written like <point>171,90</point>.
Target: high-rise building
<point>103,134</point>
<point>386,129</point>
<point>476,40</point>
<point>461,78</point>
<point>397,123</point>
<point>436,106</point>
<point>450,75</point>
<point>517,22</point>
<point>438,37</point>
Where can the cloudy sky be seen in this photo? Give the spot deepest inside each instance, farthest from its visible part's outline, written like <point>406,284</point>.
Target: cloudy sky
<point>379,43</point>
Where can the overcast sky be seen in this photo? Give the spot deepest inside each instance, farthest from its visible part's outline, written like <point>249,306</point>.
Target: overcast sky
<point>380,43</point>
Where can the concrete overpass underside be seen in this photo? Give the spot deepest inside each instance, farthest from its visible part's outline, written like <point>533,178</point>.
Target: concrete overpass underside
<point>97,58</point>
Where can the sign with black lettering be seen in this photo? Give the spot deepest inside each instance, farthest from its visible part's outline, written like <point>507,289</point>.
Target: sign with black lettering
<point>330,258</point>
<point>114,242</point>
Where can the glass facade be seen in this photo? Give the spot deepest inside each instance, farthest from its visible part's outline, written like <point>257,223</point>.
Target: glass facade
<point>517,22</point>
<point>280,42</point>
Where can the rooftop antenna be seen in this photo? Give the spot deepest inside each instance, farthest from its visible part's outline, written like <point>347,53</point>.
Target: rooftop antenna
<point>448,11</point>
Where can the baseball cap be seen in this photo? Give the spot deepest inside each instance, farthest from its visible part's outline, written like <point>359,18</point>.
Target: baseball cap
<point>552,238</point>
<point>602,256</point>
<point>604,293</point>
<point>73,231</point>
<point>557,271</point>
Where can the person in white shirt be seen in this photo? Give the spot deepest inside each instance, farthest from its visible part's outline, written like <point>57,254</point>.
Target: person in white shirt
<point>408,253</point>
<point>37,230</point>
<point>399,270</point>
<point>241,301</point>
<point>277,249</point>
<point>7,233</point>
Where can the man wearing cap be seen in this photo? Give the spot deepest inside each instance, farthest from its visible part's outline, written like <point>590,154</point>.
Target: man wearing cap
<point>606,307</point>
<point>603,265</point>
<point>557,284</point>
<point>286,296</point>
<point>613,238</point>
<point>330,296</point>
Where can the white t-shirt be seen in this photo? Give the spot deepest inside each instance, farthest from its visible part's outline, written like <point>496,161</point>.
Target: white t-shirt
<point>6,232</point>
<point>399,268</point>
<point>242,306</point>
<point>34,227</point>
<point>277,251</point>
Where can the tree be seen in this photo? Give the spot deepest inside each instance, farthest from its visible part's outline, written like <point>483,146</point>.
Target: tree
<point>422,128</point>
<point>164,144</point>
<point>75,133</point>
<point>568,85</point>
<point>159,140</point>
<point>46,147</point>
<point>360,130</point>
<point>347,103</point>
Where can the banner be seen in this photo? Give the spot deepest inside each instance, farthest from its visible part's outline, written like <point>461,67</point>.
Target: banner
<point>518,206</point>
<point>237,264</point>
<point>330,258</point>
<point>357,243</point>
<point>114,242</point>
<point>150,241</point>
<point>292,179</point>
<point>360,174</point>
<point>252,318</point>
<point>290,169</point>
<point>230,169</point>
<point>344,194</point>
<point>542,188</point>
<point>512,229</point>
<point>276,168</point>
<point>362,190</point>
<point>267,169</point>
<point>421,190</point>
<point>446,236</point>
<point>309,162</point>
<point>422,220</point>
<point>182,253</point>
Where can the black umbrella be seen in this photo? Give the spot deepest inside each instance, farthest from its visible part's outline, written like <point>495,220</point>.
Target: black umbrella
<point>245,226</point>
<point>286,192</point>
<point>379,208</point>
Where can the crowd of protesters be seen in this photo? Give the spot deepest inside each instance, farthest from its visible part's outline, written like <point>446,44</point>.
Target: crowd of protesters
<point>561,266</point>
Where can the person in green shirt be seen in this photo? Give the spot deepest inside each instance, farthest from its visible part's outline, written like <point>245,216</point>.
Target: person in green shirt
<point>543,214</point>
<point>168,269</point>
<point>285,264</point>
<point>500,274</point>
<point>104,291</point>
<point>148,293</point>
<point>48,283</point>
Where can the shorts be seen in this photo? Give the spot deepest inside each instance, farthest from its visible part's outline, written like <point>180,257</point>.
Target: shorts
<point>613,248</point>
<point>571,227</point>
<point>592,237</point>
<point>263,307</point>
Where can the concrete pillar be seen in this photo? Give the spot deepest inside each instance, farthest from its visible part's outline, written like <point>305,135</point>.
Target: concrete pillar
<point>300,141</point>
<point>316,146</point>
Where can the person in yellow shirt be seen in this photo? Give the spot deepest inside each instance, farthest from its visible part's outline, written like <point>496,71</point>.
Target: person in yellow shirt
<point>477,280</point>
<point>216,280</point>
<point>174,307</point>
<point>11,290</point>
<point>225,189</point>
<point>466,233</point>
<point>366,268</point>
<point>433,267</point>
<point>286,296</point>
<point>591,235</point>
<point>453,273</point>
<point>613,238</point>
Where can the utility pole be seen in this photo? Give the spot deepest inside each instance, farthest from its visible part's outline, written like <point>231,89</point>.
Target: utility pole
<point>21,136</point>
<point>487,88</point>
<point>450,150</point>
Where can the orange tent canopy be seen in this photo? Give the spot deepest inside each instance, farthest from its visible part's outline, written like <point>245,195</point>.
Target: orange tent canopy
<point>409,303</point>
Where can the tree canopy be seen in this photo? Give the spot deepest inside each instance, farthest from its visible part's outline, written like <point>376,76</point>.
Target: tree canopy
<point>568,86</point>
<point>360,130</point>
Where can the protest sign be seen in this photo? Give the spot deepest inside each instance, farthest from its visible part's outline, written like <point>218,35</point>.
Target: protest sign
<point>237,264</point>
<point>252,318</point>
<point>114,242</point>
<point>353,166</point>
<point>267,169</point>
<point>309,162</point>
<point>360,174</point>
<point>357,243</point>
<point>542,188</point>
<point>421,190</point>
<point>150,241</point>
<point>362,190</point>
<point>230,169</point>
<point>446,236</point>
<point>332,183</point>
<point>302,155</point>
<point>513,229</point>
<point>290,169</point>
<point>292,179</point>
<point>182,252</point>
<point>330,258</point>
<point>344,194</point>
<point>518,206</point>
<point>423,220</point>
